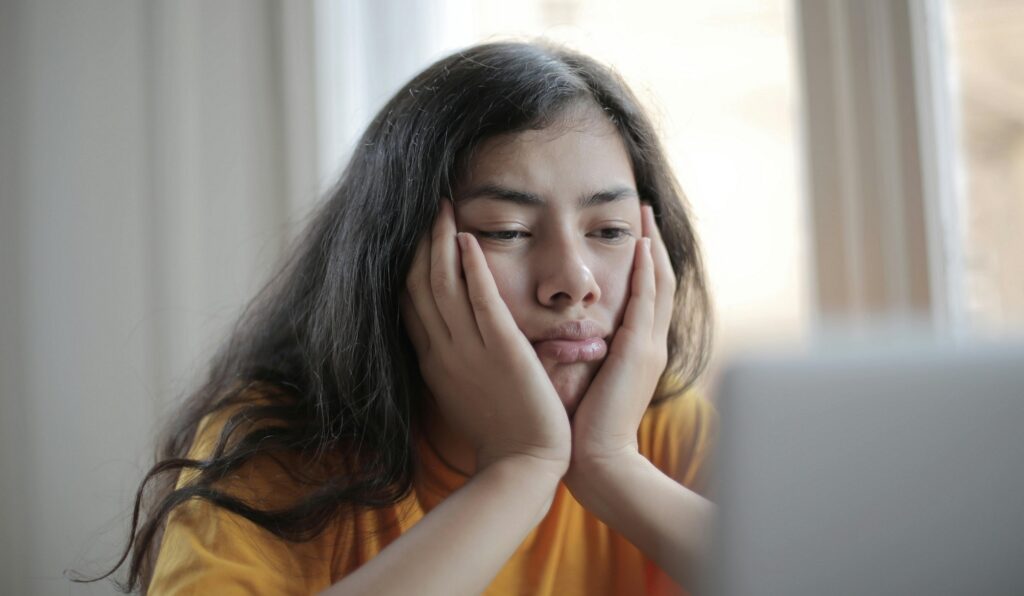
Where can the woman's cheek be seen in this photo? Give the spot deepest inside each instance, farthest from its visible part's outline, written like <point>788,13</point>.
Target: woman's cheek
<point>511,283</point>
<point>617,275</point>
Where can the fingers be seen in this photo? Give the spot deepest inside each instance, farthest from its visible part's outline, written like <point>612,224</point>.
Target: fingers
<point>446,283</point>
<point>639,316</point>
<point>417,284</point>
<point>413,325</point>
<point>665,279</point>
<point>492,315</point>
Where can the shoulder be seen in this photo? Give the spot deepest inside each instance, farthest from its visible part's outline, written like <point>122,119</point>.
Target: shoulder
<point>678,435</point>
<point>206,548</point>
<point>251,439</point>
<point>208,545</point>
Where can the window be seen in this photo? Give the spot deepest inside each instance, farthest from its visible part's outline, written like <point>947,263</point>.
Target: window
<point>987,71</point>
<point>718,79</point>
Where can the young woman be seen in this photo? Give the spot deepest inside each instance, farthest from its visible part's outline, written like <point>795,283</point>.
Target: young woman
<point>471,375</point>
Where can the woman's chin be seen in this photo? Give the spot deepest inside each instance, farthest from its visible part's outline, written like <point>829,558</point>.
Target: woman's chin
<point>571,381</point>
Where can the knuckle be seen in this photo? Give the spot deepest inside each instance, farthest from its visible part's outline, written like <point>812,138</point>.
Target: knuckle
<point>437,229</point>
<point>440,282</point>
<point>447,360</point>
<point>481,302</point>
<point>425,349</point>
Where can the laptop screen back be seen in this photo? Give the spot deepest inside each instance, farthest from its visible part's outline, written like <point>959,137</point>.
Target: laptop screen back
<point>882,471</point>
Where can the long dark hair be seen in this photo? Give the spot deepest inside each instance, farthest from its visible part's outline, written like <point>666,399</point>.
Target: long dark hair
<point>322,345</point>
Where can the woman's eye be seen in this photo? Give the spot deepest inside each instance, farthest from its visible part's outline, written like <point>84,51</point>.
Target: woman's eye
<point>614,233</point>
<point>504,235</point>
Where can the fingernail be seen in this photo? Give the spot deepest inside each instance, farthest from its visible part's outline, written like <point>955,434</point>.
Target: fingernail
<point>461,237</point>
<point>647,245</point>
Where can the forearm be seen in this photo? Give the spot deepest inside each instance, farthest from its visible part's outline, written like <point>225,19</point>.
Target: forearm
<point>462,544</point>
<point>668,522</point>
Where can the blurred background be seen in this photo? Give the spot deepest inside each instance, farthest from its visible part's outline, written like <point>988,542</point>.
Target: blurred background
<point>850,165</point>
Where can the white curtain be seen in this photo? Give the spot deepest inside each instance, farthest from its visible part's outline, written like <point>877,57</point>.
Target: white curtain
<point>156,159</point>
<point>366,50</point>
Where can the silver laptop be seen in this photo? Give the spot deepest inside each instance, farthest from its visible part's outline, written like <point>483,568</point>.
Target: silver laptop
<point>888,470</point>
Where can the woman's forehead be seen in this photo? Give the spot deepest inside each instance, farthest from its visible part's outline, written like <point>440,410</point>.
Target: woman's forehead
<point>585,155</point>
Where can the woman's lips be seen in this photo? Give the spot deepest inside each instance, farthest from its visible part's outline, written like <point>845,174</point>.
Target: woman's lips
<point>572,350</point>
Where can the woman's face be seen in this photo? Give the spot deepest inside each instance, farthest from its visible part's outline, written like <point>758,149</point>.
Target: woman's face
<point>557,214</point>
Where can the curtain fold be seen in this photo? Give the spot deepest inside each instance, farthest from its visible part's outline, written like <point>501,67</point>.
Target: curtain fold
<point>158,153</point>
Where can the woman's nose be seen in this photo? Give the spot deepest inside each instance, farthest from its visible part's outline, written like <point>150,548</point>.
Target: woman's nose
<point>566,278</point>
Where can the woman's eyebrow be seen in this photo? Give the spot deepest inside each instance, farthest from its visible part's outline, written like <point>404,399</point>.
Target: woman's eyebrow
<point>521,197</point>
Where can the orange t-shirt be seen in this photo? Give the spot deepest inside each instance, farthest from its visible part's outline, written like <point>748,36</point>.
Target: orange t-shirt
<point>209,550</point>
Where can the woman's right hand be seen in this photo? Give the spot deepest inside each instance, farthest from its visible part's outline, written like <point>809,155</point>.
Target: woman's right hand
<point>484,375</point>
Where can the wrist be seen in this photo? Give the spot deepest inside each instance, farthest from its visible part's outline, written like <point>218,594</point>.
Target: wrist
<point>597,483</point>
<point>545,470</point>
<point>536,479</point>
<point>607,465</point>
<point>604,459</point>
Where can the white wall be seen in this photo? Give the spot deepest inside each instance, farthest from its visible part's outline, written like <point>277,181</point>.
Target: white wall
<point>145,195</point>
<point>15,539</point>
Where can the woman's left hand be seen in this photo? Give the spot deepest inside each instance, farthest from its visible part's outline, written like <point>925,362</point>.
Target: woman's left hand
<point>604,426</point>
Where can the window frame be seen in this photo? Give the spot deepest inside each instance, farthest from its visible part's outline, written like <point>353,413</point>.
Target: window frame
<point>881,168</point>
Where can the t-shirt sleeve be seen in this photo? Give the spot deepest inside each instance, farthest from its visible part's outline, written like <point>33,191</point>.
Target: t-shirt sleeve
<point>207,549</point>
